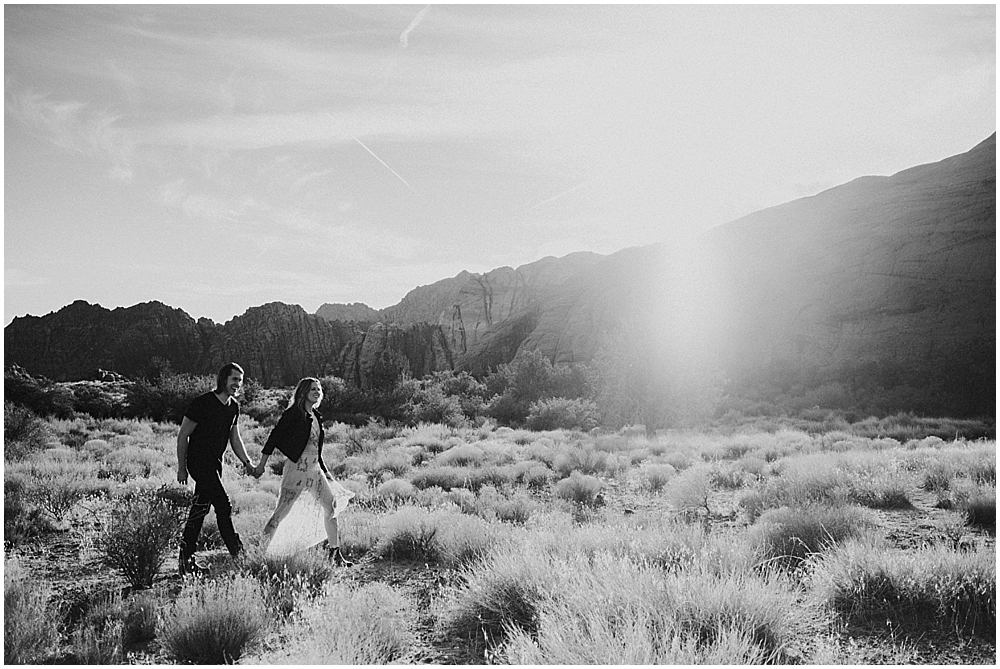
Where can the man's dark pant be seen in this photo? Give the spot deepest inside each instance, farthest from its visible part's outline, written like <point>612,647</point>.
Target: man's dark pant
<point>208,492</point>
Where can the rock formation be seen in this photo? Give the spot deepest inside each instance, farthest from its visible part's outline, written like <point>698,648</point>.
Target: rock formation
<point>886,276</point>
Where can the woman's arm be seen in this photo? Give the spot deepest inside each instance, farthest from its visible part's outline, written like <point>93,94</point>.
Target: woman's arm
<point>279,433</point>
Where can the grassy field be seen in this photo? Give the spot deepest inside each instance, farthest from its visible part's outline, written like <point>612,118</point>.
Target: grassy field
<point>870,543</point>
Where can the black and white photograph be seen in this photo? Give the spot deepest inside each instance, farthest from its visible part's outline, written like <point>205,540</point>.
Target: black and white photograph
<point>518,334</point>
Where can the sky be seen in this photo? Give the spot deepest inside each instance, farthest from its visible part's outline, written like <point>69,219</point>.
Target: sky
<point>220,157</point>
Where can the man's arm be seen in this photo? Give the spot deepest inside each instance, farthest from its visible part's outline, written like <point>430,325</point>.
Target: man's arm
<point>236,441</point>
<point>187,427</point>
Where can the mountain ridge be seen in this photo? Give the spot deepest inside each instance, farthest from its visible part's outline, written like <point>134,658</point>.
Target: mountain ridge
<point>896,272</point>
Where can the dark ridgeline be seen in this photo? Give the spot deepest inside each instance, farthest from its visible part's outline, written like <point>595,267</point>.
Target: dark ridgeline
<point>885,280</point>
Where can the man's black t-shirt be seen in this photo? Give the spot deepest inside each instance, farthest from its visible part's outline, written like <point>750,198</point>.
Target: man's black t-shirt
<point>210,437</point>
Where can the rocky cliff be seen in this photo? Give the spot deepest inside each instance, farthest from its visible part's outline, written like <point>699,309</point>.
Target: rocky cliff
<point>886,276</point>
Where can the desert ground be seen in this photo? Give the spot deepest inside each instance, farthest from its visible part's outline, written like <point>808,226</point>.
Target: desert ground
<point>769,543</point>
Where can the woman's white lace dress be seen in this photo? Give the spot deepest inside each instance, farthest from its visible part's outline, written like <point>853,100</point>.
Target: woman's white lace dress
<point>308,504</point>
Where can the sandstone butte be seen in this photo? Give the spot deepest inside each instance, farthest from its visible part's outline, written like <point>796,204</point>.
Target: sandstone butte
<point>882,275</point>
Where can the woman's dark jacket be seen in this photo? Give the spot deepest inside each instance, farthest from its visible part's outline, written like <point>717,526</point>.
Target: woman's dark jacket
<point>291,435</point>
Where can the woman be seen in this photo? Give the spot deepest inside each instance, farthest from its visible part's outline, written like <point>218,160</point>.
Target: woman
<point>299,435</point>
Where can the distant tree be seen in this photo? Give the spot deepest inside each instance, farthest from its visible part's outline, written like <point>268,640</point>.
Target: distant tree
<point>528,378</point>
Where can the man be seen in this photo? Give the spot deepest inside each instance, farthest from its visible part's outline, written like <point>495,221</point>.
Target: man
<point>210,423</point>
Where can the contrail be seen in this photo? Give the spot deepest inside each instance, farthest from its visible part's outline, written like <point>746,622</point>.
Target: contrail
<point>558,195</point>
<point>384,163</point>
<point>404,37</point>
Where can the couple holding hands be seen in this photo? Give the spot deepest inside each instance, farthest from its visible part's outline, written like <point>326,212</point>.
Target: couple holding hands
<point>211,424</point>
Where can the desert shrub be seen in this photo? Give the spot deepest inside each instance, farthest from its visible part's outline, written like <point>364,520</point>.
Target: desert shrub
<point>981,510</point>
<point>167,398</point>
<point>615,610</point>
<point>676,459</point>
<point>445,478</point>
<point>880,492</point>
<point>99,638</point>
<point>288,580</point>
<point>938,476</point>
<point>655,476</point>
<point>498,477</point>
<point>24,433</point>
<point>369,625</point>
<point>397,490</point>
<point>688,492</point>
<point>517,510</point>
<point>136,534</point>
<point>785,537</point>
<point>30,620</point>
<point>215,622</point>
<point>444,537</point>
<point>463,455</point>
<point>408,534</point>
<point>803,480</point>
<point>726,476</point>
<point>140,619</point>
<point>561,412</point>
<point>754,467</point>
<point>534,475</point>
<point>396,461</point>
<point>579,488</point>
<point>99,400</point>
<point>23,521</point>
<point>932,584</point>
<point>430,404</point>
<point>530,377</point>
<point>57,493</point>
<point>497,596</point>
<point>585,459</point>
<point>40,395</point>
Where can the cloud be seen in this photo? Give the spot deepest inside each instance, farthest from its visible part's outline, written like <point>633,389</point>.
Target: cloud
<point>73,126</point>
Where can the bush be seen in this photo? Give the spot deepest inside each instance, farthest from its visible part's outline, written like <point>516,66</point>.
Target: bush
<point>528,378</point>
<point>562,413</point>
<point>215,622</point>
<point>57,493</point>
<point>100,636</point>
<point>444,537</point>
<point>498,596</point>
<point>409,534</point>
<point>289,579</point>
<point>397,490</point>
<point>462,455</point>
<point>981,510</point>
<point>41,396</point>
<point>23,432</point>
<point>579,488</point>
<point>135,536</point>
<point>655,476</point>
<point>370,625</point>
<point>935,585</point>
<point>445,478</point>
<point>785,537</point>
<point>688,491</point>
<point>168,398</point>
<point>23,521</point>
<point>30,622</point>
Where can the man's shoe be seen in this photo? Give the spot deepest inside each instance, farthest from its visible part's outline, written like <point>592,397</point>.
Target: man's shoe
<point>187,565</point>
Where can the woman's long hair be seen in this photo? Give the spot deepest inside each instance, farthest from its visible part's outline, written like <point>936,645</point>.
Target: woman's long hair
<point>301,390</point>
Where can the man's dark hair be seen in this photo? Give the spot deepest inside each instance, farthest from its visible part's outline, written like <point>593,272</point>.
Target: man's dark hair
<point>227,369</point>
